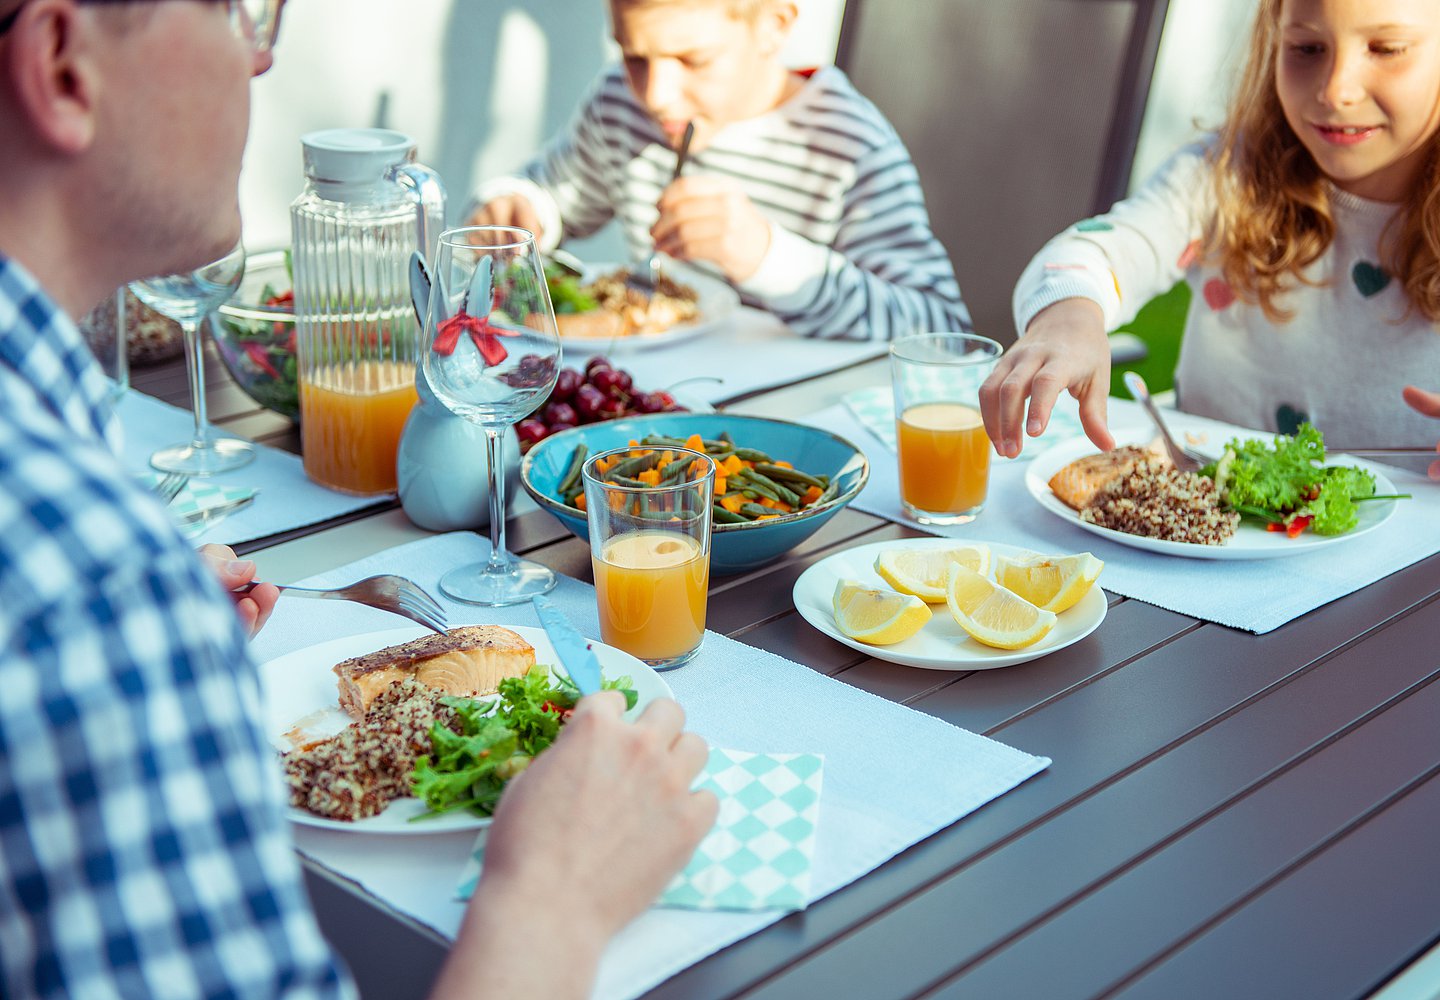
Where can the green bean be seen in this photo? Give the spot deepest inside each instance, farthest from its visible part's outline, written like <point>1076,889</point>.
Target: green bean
<point>683,514</point>
<point>755,510</point>
<point>572,473</point>
<point>725,436</point>
<point>662,441</point>
<point>782,493</point>
<point>779,473</point>
<point>751,455</point>
<point>633,484</point>
<point>634,466</point>
<point>676,467</point>
<point>724,515</point>
<point>828,494</point>
<point>749,486</point>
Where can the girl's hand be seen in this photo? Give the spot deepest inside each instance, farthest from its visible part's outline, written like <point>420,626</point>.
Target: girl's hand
<point>710,218</point>
<point>1427,403</point>
<point>1065,348</point>
<point>253,608</point>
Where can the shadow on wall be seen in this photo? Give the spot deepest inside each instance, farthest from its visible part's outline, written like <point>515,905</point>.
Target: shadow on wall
<point>513,73</point>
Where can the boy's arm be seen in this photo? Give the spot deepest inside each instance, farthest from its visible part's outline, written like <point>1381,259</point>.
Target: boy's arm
<point>886,273</point>
<point>1124,258</point>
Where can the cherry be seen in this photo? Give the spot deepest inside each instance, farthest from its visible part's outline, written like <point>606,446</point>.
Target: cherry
<point>559,413</point>
<point>565,385</point>
<point>530,430</point>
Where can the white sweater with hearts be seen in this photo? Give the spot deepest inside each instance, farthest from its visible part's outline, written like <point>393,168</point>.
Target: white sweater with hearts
<point>1340,362</point>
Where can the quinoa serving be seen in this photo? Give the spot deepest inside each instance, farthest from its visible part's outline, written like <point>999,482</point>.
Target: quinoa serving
<point>1156,500</point>
<point>358,771</point>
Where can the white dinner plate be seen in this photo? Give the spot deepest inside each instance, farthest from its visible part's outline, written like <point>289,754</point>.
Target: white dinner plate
<point>1250,541</point>
<point>300,687</point>
<point>717,303</point>
<point>942,644</point>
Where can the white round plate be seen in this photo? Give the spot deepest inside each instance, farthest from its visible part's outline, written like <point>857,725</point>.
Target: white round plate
<point>1250,541</point>
<point>717,302</point>
<point>941,644</point>
<point>300,687</point>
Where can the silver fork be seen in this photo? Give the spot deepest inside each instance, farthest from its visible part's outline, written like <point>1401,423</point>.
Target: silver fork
<point>1185,460</point>
<point>387,592</point>
<point>170,485</point>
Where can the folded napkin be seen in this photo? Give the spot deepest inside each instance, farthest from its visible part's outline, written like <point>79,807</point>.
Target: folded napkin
<point>874,407</point>
<point>1257,595</point>
<point>758,855</point>
<point>290,499</point>
<point>734,695</point>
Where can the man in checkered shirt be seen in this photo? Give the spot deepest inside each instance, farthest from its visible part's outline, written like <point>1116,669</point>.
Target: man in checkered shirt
<point>143,848</point>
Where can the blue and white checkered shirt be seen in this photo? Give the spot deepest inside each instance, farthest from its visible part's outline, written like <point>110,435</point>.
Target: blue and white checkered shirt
<point>143,845</point>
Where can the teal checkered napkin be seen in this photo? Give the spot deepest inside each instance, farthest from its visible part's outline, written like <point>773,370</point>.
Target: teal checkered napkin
<point>759,854</point>
<point>196,496</point>
<point>875,408</point>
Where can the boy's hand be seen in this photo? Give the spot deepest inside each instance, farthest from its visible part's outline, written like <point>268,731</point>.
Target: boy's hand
<point>508,210</point>
<point>1065,347</point>
<point>1427,403</point>
<point>253,608</point>
<point>710,218</point>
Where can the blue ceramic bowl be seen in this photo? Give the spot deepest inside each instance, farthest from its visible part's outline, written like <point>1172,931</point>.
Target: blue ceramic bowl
<point>733,547</point>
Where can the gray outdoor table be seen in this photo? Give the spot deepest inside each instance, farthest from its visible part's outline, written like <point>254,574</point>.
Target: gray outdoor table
<point>1227,815</point>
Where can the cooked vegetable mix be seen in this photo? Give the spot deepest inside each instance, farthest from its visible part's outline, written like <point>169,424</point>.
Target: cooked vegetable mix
<point>750,485</point>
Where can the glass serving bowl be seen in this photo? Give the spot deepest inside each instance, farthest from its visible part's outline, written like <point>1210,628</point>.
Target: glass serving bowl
<point>255,332</point>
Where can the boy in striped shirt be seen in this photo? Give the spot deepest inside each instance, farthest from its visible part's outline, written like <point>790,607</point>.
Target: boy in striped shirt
<point>797,190</point>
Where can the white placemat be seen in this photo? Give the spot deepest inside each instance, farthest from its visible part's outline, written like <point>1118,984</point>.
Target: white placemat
<point>1255,595</point>
<point>751,351</point>
<point>874,805</point>
<point>288,498</point>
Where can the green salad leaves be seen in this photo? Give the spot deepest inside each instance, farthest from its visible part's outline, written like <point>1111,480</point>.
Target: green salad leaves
<point>469,766</point>
<point>1287,484</point>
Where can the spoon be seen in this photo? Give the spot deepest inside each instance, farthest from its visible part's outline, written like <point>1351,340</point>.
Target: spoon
<point>1184,460</point>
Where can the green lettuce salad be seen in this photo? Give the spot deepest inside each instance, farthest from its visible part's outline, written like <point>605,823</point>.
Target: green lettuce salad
<point>469,766</point>
<point>1288,485</point>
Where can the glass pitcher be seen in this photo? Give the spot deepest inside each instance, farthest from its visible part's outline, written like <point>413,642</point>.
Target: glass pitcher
<point>367,206</point>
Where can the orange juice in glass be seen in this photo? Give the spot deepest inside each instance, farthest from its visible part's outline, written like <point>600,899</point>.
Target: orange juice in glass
<point>943,450</point>
<point>351,418</point>
<point>650,549</point>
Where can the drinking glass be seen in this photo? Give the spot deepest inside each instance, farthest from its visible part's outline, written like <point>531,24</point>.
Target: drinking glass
<point>650,549</point>
<point>105,330</point>
<point>491,354</point>
<point>188,298</point>
<point>943,449</point>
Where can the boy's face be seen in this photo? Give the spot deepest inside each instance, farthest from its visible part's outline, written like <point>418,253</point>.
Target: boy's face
<point>690,60</point>
<point>1359,81</point>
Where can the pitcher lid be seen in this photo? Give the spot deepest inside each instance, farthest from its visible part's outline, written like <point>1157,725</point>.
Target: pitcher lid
<point>354,155</point>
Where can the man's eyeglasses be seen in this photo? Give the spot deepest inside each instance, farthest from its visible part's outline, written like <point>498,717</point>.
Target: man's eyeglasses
<point>254,21</point>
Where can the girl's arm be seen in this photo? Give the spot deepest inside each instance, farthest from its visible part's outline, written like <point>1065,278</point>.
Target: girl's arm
<point>1083,283</point>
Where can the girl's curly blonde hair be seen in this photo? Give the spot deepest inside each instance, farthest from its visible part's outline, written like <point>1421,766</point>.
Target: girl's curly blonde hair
<point>1273,216</point>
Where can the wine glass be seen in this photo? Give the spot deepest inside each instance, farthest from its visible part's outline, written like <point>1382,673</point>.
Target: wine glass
<point>188,298</point>
<point>491,354</point>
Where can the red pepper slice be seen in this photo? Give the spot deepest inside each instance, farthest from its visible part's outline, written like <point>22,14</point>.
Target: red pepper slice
<point>1274,526</point>
<point>1298,524</point>
<point>261,357</point>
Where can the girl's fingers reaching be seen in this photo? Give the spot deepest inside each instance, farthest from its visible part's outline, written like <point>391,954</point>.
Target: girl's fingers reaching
<point>1421,401</point>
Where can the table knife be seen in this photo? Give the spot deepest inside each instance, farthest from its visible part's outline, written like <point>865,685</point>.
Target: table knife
<point>571,647</point>
<point>207,515</point>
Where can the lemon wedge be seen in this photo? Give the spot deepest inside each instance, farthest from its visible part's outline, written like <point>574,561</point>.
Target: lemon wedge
<point>879,617</point>
<point>923,571</point>
<point>1052,583</point>
<point>992,614</point>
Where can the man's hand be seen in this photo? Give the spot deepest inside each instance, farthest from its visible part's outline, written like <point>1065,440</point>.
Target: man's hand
<point>710,218</point>
<point>583,841</point>
<point>508,210</point>
<point>253,608</point>
<point>1064,348</point>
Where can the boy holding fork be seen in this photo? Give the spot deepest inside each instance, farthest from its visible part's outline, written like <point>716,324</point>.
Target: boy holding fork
<point>796,189</point>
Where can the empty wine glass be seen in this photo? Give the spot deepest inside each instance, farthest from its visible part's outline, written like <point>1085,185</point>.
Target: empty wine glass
<point>491,354</point>
<point>188,298</point>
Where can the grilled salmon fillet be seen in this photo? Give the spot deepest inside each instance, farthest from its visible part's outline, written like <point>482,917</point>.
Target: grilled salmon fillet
<point>1077,483</point>
<point>467,661</point>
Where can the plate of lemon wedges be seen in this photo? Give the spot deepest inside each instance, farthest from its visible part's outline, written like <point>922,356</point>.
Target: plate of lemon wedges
<point>943,604</point>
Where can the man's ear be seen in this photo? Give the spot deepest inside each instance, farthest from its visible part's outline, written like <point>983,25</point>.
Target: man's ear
<point>52,73</point>
<point>774,21</point>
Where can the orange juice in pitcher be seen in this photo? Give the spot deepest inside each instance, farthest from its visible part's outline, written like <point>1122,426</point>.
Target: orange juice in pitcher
<point>352,416</point>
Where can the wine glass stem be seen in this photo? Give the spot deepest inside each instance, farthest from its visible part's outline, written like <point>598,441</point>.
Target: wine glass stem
<point>499,557</point>
<point>195,368</point>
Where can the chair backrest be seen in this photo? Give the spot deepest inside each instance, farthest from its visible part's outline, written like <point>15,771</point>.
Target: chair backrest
<point>1022,117</point>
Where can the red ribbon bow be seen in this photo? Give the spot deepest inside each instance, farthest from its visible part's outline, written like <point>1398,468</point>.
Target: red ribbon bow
<point>481,332</point>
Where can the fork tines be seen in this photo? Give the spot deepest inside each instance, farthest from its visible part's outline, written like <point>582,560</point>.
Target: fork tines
<point>170,485</point>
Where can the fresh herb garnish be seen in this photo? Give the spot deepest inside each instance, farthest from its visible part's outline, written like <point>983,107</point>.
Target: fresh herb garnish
<point>493,741</point>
